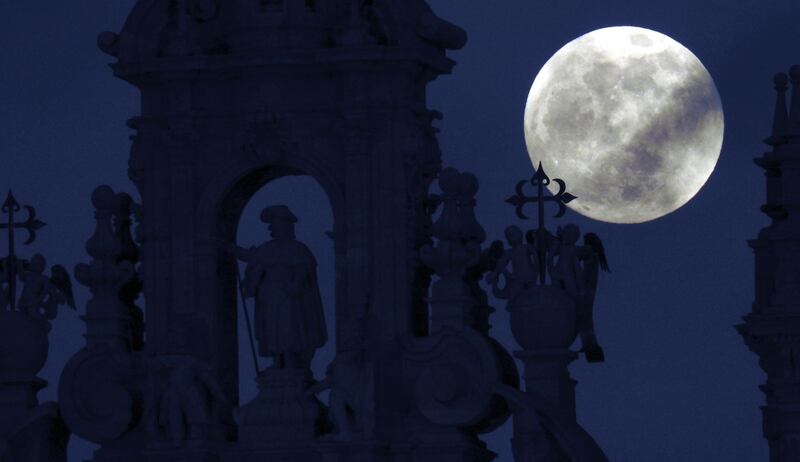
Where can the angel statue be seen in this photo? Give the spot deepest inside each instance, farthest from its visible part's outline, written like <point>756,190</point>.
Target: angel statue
<point>524,266</point>
<point>566,272</point>
<point>593,259</point>
<point>4,290</point>
<point>190,403</point>
<point>41,295</point>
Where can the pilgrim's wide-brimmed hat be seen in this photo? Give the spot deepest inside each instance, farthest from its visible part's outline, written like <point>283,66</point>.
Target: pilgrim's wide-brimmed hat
<point>277,213</point>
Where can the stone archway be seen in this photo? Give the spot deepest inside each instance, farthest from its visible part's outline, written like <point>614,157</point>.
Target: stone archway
<point>233,190</point>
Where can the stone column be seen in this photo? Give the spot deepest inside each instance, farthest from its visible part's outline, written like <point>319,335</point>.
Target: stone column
<point>105,373</point>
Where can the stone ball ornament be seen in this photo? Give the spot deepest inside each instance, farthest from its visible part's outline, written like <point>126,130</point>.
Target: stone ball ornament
<point>543,317</point>
<point>104,198</point>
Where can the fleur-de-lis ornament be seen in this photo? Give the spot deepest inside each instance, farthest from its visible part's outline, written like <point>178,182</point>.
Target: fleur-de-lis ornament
<point>31,225</point>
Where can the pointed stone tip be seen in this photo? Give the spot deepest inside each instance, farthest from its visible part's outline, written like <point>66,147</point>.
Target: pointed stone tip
<point>781,80</point>
<point>794,73</point>
<point>794,111</point>
<point>10,202</point>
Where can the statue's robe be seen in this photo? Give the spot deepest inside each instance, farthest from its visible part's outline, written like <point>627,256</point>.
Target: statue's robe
<point>289,316</point>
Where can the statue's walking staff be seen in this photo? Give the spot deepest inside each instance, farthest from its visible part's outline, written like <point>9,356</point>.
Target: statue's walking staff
<point>10,207</point>
<point>247,321</point>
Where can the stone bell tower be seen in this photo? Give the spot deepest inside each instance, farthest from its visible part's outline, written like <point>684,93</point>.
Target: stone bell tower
<point>235,94</point>
<point>772,329</point>
<point>238,93</point>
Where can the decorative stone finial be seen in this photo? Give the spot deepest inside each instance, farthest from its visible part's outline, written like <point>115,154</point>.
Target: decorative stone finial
<point>794,115</point>
<point>457,249</point>
<point>780,123</point>
<point>103,243</point>
<point>106,314</point>
<point>108,43</point>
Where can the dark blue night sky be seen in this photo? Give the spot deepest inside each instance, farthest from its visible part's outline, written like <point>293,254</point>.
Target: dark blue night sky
<point>678,383</point>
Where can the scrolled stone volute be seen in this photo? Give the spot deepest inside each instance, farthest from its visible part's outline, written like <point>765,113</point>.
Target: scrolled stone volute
<point>451,377</point>
<point>99,395</point>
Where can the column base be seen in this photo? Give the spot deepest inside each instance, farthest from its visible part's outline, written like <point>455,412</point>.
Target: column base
<point>283,415</point>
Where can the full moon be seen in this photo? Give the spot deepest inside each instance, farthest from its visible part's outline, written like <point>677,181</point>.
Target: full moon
<point>630,119</point>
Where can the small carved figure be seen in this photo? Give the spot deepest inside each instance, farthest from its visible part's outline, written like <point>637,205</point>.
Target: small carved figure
<point>4,290</point>
<point>187,407</point>
<point>350,383</point>
<point>524,266</point>
<point>41,295</point>
<point>566,272</point>
<point>281,275</point>
<point>593,259</point>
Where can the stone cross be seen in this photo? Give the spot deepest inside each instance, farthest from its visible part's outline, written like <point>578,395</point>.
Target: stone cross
<point>32,224</point>
<point>518,200</point>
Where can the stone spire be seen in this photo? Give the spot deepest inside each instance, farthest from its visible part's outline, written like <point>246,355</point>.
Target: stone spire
<point>780,123</point>
<point>794,116</point>
<point>772,329</point>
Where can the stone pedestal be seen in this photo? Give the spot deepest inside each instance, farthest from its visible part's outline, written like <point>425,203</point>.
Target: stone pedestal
<point>351,451</point>
<point>548,383</point>
<point>453,453</point>
<point>201,452</point>
<point>17,400</point>
<point>547,374</point>
<point>296,453</point>
<point>29,431</point>
<point>116,454</point>
<point>283,416</point>
<point>40,436</point>
<point>23,352</point>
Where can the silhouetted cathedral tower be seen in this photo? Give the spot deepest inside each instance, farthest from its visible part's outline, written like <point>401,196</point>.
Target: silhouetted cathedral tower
<point>772,330</point>
<point>238,93</point>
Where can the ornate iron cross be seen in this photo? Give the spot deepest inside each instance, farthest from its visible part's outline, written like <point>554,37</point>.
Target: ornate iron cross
<point>540,180</point>
<point>32,224</point>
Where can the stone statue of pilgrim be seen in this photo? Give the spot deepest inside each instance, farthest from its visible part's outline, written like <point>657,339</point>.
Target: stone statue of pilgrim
<point>281,275</point>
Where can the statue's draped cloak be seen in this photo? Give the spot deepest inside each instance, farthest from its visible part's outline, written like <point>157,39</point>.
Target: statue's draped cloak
<point>286,322</point>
